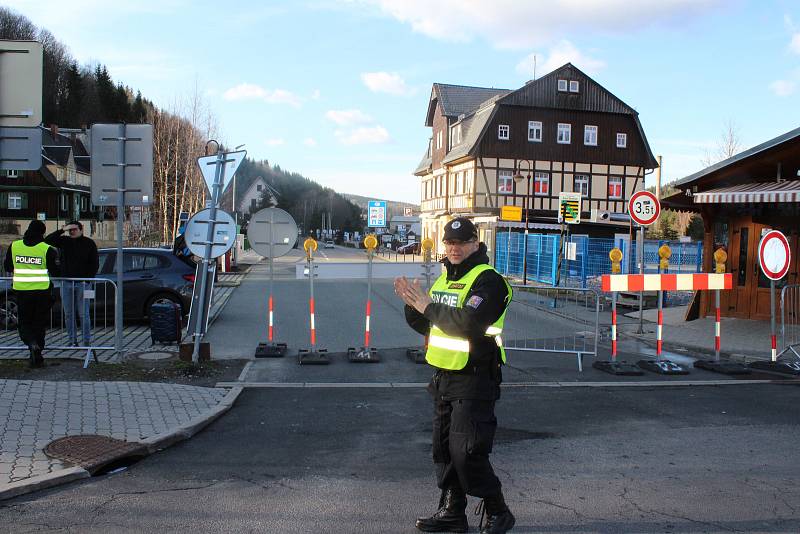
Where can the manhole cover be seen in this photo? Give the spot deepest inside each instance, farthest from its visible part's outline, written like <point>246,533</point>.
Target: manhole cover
<point>155,355</point>
<point>92,452</point>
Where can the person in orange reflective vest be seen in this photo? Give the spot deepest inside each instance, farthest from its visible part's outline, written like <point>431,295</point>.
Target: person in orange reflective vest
<point>32,263</point>
<point>463,318</point>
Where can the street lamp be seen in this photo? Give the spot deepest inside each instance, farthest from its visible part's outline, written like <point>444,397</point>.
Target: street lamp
<point>518,177</point>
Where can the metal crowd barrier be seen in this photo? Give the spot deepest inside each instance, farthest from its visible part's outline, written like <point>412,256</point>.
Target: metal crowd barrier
<point>553,319</point>
<point>790,320</point>
<point>101,294</point>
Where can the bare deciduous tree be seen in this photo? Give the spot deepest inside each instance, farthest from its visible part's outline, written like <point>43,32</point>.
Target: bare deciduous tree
<point>728,145</point>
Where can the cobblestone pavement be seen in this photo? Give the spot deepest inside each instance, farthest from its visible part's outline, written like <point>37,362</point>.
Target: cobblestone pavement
<point>33,413</point>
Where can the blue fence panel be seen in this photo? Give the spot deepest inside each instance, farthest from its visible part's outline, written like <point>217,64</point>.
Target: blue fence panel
<point>591,258</point>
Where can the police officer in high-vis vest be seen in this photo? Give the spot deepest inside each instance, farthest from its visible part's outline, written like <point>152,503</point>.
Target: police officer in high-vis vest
<point>32,262</point>
<point>462,316</point>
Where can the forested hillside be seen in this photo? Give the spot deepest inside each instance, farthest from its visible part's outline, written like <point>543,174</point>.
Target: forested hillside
<point>76,96</point>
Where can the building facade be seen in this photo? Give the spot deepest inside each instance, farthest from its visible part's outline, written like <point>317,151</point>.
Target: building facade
<point>561,133</point>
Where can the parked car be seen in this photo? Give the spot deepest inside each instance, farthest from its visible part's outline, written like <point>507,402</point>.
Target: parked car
<point>149,275</point>
<point>329,244</point>
<point>410,248</point>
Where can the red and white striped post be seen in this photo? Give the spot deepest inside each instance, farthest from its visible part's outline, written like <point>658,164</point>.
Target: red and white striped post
<point>614,326</point>
<point>717,328</point>
<point>366,331</point>
<point>270,318</point>
<point>660,326</point>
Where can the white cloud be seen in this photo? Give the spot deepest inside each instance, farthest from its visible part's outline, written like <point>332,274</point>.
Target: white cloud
<point>794,44</point>
<point>310,141</point>
<point>249,91</point>
<point>276,141</point>
<point>562,52</point>
<point>783,87</point>
<point>514,24</point>
<point>348,117</point>
<point>366,135</point>
<point>316,94</point>
<point>386,82</point>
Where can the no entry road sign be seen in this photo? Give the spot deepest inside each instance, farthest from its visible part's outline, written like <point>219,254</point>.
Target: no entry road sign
<point>644,208</point>
<point>774,255</point>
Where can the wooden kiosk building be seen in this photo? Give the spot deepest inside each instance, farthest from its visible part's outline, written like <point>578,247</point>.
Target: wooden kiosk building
<point>740,199</point>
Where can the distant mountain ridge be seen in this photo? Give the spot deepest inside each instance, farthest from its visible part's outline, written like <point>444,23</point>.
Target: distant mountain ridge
<point>393,207</point>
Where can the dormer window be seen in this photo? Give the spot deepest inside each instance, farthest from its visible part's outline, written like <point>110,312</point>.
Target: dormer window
<point>503,132</point>
<point>455,135</point>
<point>562,85</point>
<point>573,86</point>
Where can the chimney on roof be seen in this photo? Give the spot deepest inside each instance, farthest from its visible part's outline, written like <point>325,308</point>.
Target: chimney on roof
<point>54,130</point>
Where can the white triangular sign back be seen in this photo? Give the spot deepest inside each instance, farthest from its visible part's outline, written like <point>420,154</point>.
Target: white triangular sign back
<point>209,168</point>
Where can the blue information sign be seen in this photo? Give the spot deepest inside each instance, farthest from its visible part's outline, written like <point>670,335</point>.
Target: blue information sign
<point>376,213</point>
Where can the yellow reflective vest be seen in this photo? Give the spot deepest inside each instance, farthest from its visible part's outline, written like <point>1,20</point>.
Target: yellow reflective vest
<point>30,266</point>
<point>451,352</point>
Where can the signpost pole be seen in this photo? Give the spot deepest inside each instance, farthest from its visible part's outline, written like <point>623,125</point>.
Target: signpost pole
<point>219,174</point>
<point>118,294</point>
<point>640,255</point>
<point>773,339</point>
<point>271,268</point>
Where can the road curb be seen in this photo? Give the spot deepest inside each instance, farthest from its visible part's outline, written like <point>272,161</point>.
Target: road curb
<point>189,429</point>
<point>29,485</point>
<point>153,444</point>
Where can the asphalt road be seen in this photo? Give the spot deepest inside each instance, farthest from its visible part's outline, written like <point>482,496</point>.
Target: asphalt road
<point>357,460</point>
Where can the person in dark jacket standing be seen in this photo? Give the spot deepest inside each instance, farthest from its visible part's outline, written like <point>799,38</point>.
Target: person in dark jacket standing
<point>32,262</point>
<point>463,318</point>
<point>78,260</point>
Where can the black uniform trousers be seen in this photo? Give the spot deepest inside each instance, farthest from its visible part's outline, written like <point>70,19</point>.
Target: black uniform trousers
<point>33,308</point>
<point>463,434</point>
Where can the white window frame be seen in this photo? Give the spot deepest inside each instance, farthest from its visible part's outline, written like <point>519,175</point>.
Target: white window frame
<point>505,177</point>
<point>541,178</point>
<point>590,135</point>
<point>615,180</point>
<point>574,86</point>
<point>15,201</point>
<point>535,131</point>
<point>63,202</point>
<point>503,128</point>
<point>622,140</point>
<point>578,183</point>
<point>566,130</point>
<point>439,140</point>
<point>11,173</point>
<point>562,85</point>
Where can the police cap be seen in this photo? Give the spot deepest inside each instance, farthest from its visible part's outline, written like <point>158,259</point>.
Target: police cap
<point>460,229</point>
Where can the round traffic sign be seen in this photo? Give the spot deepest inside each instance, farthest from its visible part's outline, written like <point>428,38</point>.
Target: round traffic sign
<point>644,208</point>
<point>223,235</point>
<point>774,255</point>
<point>272,229</point>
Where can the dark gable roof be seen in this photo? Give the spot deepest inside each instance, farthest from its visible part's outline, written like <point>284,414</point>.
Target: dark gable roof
<point>544,93</point>
<point>741,156</point>
<point>57,154</point>
<point>459,99</point>
<point>591,96</point>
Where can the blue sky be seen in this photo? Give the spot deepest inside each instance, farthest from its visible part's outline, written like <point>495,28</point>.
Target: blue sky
<point>338,90</point>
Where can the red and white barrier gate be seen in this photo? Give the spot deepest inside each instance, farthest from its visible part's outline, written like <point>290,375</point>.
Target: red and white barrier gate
<point>615,283</point>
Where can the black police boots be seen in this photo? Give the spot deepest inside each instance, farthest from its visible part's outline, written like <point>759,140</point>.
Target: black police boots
<point>36,356</point>
<point>499,518</point>
<point>450,517</point>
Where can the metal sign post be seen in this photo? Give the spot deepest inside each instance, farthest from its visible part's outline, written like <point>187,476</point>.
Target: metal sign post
<point>122,175</point>
<point>367,354</point>
<point>774,258</point>
<point>272,233</point>
<point>569,212</point>
<point>314,356</point>
<point>222,162</point>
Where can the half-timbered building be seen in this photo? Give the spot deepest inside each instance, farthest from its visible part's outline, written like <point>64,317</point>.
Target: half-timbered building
<point>562,132</point>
